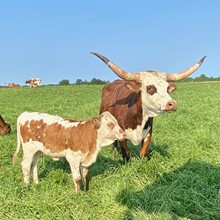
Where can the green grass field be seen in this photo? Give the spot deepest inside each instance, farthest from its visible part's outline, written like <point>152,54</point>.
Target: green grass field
<point>181,181</point>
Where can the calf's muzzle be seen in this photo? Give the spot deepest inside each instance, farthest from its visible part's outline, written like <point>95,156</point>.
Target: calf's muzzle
<point>123,134</point>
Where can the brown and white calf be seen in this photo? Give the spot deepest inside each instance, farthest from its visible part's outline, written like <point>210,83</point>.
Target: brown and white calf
<point>78,141</point>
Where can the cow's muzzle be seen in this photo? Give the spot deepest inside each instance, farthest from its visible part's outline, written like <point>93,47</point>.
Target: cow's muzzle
<point>170,106</point>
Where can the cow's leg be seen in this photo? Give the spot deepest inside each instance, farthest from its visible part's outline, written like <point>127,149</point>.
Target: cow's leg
<point>147,139</point>
<point>145,146</point>
<point>84,172</point>
<point>34,166</point>
<point>26,163</point>
<point>74,163</point>
<point>125,151</point>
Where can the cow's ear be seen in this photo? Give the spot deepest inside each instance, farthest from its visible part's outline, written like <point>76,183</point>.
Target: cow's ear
<point>133,85</point>
<point>171,87</point>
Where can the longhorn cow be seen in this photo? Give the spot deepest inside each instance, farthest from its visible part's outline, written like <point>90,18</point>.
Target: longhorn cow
<point>137,98</point>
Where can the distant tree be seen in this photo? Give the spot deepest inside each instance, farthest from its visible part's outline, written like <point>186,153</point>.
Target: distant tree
<point>188,79</point>
<point>64,82</point>
<point>79,82</point>
<point>93,81</point>
<point>201,78</point>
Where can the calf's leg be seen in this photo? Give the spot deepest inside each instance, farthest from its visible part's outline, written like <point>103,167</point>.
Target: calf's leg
<point>26,163</point>
<point>84,172</point>
<point>34,166</point>
<point>75,170</point>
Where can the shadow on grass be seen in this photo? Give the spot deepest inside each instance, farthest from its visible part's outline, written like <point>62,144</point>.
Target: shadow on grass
<point>101,165</point>
<point>47,167</point>
<point>162,149</point>
<point>104,164</point>
<point>191,191</point>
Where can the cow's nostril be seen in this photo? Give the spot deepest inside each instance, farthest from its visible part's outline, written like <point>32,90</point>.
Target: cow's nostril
<point>171,105</point>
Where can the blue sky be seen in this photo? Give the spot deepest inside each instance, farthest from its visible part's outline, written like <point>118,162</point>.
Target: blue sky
<point>52,39</point>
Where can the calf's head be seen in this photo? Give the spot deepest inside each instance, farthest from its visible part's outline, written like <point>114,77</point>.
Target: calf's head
<point>155,87</point>
<point>109,130</point>
<point>4,127</point>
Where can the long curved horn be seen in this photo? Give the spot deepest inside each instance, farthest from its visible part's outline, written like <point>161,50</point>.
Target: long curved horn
<point>185,73</point>
<point>117,70</point>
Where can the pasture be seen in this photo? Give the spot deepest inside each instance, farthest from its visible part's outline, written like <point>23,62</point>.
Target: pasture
<point>180,181</point>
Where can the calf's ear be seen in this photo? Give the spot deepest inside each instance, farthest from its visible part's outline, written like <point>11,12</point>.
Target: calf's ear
<point>96,122</point>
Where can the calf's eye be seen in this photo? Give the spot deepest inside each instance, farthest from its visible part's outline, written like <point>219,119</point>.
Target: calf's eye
<point>111,125</point>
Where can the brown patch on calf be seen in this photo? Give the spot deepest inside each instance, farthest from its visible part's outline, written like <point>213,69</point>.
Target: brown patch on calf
<point>57,138</point>
<point>72,120</point>
<point>95,120</point>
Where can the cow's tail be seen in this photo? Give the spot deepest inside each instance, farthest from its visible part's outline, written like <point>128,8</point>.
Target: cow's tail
<point>18,143</point>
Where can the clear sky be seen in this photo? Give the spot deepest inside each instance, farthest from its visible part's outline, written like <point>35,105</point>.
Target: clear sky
<point>52,39</point>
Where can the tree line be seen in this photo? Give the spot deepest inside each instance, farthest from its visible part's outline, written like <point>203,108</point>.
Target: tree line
<point>94,81</point>
<point>201,78</point>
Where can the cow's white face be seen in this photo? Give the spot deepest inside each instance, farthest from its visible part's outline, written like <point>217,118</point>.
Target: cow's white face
<point>109,130</point>
<point>155,94</point>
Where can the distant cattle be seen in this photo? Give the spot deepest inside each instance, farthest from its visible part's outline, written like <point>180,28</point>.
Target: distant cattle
<point>13,85</point>
<point>4,127</point>
<point>78,141</point>
<point>33,82</point>
<point>137,98</point>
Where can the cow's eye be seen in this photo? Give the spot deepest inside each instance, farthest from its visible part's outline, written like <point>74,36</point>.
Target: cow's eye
<point>151,89</point>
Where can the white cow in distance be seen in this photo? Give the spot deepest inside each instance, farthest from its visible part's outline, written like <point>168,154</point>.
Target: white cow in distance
<point>35,82</point>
